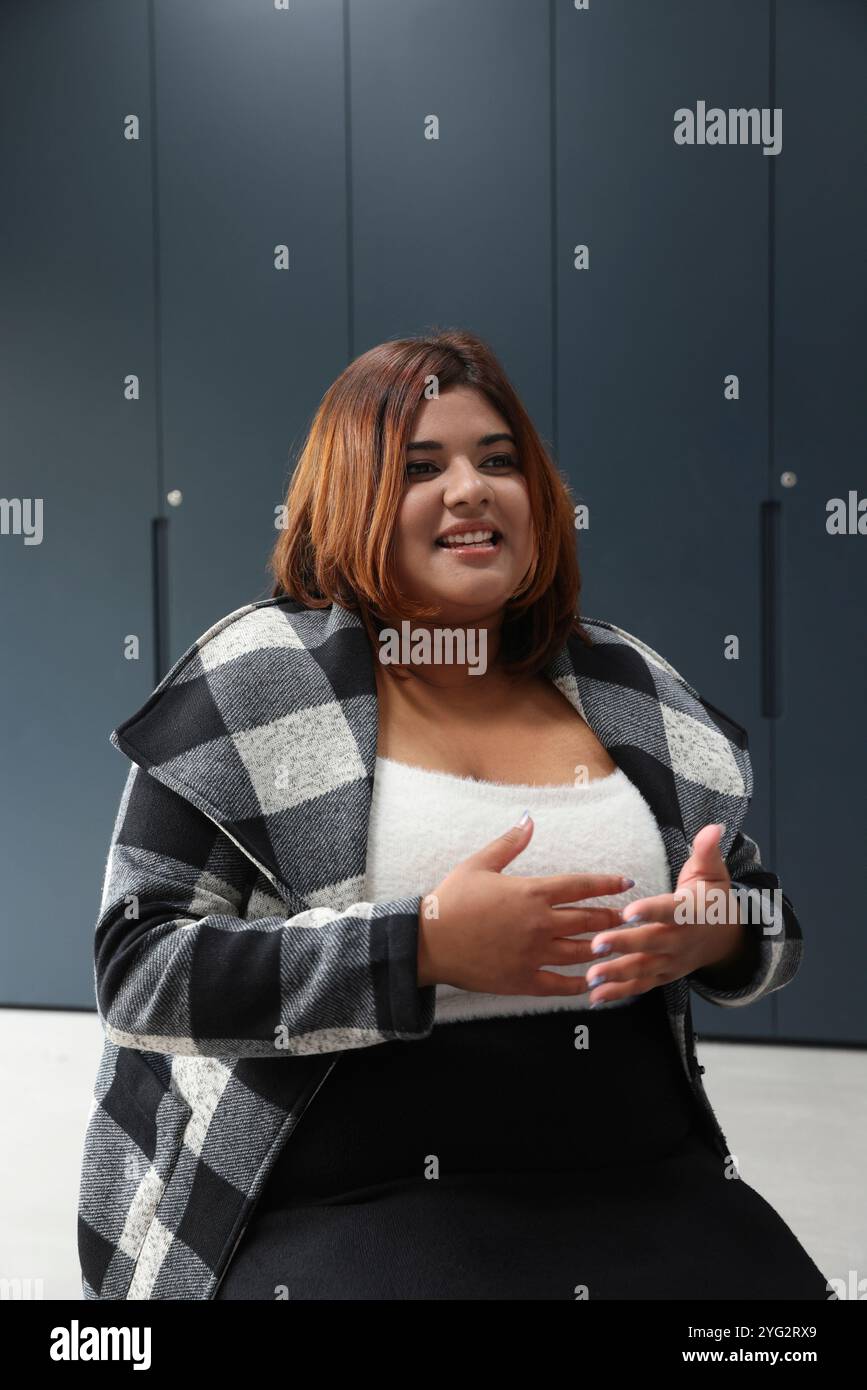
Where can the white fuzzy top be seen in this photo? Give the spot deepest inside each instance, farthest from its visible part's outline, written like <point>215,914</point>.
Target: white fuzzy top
<point>423,823</point>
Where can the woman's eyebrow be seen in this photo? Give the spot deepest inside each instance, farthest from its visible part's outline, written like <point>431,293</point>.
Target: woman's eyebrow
<point>480,443</point>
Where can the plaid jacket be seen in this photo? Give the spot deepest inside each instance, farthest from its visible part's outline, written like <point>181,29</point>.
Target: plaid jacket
<point>233,959</point>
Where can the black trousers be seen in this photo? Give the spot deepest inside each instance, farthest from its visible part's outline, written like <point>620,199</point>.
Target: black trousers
<point>497,1160</point>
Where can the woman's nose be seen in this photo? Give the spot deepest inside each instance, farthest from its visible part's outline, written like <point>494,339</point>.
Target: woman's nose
<point>463,483</point>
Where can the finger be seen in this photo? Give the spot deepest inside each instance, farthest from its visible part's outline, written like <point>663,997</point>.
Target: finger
<point>705,853</point>
<point>708,839</point>
<point>548,982</point>
<point>571,921</point>
<point>570,888</point>
<point>562,951</point>
<point>611,994</point>
<point>622,989</point>
<point>654,937</point>
<point>658,909</point>
<point>639,965</point>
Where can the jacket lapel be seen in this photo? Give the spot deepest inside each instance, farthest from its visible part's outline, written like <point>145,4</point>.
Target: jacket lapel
<point>689,760</point>
<point>269,726</point>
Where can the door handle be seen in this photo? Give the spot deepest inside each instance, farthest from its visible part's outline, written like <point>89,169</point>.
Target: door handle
<point>160,595</point>
<point>770,559</point>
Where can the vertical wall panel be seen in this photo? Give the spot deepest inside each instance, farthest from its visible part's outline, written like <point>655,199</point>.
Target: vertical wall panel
<point>77,300</point>
<point>821,425</point>
<point>250,103</point>
<point>674,300</point>
<point>454,232</point>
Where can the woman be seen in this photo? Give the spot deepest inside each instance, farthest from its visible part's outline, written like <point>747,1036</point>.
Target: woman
<point>322,841</point>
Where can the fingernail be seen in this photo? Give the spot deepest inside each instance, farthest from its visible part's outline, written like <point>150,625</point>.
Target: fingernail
<point>601,948</point>
<point>633,920</point>
<point>523,821</point>
<point>628,882</point>
<point>597,980</point>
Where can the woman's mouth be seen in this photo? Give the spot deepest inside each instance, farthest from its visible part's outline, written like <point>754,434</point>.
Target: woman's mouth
<point>482,541</point>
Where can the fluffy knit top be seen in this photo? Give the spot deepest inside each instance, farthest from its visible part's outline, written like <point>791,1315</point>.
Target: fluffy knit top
<point>423,823</point>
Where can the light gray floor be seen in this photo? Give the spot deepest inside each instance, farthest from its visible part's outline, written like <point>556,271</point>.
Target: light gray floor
<point>796,1118</point>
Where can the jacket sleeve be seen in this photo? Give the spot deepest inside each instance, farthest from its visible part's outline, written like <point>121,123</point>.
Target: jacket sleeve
<point>774,944</point>
<point>183,963</point>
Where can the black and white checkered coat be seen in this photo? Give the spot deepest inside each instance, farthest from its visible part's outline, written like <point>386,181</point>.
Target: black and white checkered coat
<point>234,960</point>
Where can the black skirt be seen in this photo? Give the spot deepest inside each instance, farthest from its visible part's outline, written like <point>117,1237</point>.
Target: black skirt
<point>497,1159</point>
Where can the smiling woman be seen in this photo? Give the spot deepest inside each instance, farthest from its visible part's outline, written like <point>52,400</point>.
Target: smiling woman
<point>344,917</point>
<point>411,1179</point>
<point>453,455</point>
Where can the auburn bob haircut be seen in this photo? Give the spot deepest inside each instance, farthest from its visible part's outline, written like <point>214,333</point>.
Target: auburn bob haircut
<point>342,502</point>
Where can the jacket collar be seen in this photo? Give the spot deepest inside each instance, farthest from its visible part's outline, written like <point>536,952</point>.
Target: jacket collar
<point>268,724</point>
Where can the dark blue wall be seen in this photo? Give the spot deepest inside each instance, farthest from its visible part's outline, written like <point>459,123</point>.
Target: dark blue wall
<point>304,126</point>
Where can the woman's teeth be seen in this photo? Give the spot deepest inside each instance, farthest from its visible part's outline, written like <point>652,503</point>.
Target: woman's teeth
<point>470,538</point>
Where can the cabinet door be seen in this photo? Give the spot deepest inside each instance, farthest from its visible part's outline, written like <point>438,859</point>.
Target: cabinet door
<point>820,752</point>
<point>252,158</point>
<point>451,179</point>
<point>674,301</point>
<point>77,281</point>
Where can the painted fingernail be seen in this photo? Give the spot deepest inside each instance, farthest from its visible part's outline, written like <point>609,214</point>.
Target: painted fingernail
<point>632,920</point>
<point>601,948</point>
<point>628,882</point>
<point>597,980</point>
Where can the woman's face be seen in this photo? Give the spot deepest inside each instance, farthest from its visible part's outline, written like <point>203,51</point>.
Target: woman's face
<point>462,471</point>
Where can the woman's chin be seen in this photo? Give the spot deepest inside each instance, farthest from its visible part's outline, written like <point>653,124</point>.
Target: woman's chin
<point>469,602</point>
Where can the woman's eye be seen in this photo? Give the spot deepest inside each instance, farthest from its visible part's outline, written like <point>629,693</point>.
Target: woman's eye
<point>498,461</point>
<point>503,461</point>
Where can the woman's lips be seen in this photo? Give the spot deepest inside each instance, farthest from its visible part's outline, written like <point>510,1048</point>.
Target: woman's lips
<point>472,550</point>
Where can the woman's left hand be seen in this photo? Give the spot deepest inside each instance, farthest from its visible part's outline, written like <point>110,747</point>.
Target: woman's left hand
<point>662,948</point>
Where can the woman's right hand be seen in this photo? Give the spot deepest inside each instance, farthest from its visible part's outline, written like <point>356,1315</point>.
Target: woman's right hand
<point>490,932</point>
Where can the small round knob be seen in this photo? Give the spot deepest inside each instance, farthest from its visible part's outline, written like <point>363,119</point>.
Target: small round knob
<point>175,497</point>
<point>788,479</point>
